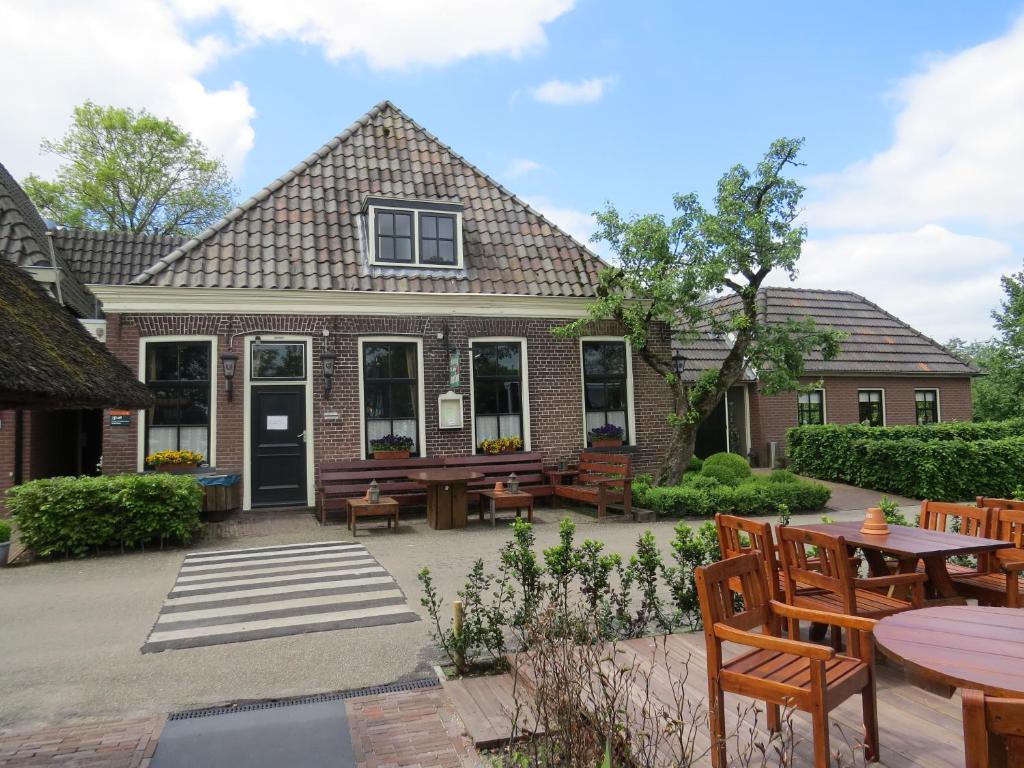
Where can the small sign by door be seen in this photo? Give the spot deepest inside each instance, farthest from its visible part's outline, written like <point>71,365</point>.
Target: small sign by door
<point>453,370</point>
<point>120,418</point>
<point>277,422</point>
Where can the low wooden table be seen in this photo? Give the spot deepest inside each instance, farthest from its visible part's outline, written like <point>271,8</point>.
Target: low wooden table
<point>446,495</point>
<point>505,500</point>
<point>909,545</point>
<point>384,507</point>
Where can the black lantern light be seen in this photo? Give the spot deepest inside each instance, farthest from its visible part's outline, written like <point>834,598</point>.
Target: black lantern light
<point>227,363</point>
<point>678,362</point>
<point>327,359</point>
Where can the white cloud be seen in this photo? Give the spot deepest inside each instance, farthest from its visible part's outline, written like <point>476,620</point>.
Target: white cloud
<point>131,54</point>
<point>956,154</point>
<point>395,35</point>
<point>522,166</point>
<point>562,92</point>
<point>941,282</point>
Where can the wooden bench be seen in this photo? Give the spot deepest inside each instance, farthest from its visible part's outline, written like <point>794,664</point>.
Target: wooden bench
<point>600,479</point>
<point>528,466</point>
<point>339,481</point>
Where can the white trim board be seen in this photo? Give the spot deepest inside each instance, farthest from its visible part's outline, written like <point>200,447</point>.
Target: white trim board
<point>175,301</point>
<point>525,389</point>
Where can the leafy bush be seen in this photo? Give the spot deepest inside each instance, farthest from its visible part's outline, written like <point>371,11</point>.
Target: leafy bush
<point>782,476</point>
<point>700,480</point>
<point>5,532</point>
<point>957,462</point>
<point>759,495</point>
<point>695,464</point>
<point>727,468</point>
<point>72,515</point>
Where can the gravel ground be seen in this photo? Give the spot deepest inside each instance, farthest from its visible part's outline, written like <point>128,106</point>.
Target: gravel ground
<point>70,631</point>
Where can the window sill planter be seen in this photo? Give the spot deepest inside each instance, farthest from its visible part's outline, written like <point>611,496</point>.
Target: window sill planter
<point>391,454</point>
<point>187,467</point>
<point>606,442</point>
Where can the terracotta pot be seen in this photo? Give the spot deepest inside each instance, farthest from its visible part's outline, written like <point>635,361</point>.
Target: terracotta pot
<point>391,454</point>
<point>177,467</point>
<point>606,442</point>
<point>499,487</point>
<point>874,522</point>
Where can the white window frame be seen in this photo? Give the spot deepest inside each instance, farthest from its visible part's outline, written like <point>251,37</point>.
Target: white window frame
<point>824,406</point>
<point>524,395</point>
<point>248,382</point>
<point>938,402</point>
<point>215,373</point>
<point>371,227</point>
<point>421,414</point>
<point>629,385</point>
<point>885,416</point>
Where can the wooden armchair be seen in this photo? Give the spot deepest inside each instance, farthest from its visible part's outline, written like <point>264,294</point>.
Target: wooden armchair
<point>958,518</point>
<point>601,479</point>
<point>999,582</point>
<point>840,590</point>
<point>740,536</point>
<point>993,731</point>
<point>807,677</point>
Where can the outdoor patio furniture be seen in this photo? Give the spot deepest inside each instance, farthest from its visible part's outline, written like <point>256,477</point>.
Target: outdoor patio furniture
<point>958,646</point>
<point>384,507</point>
<point>841,591</point>
<point>446,495</point>
<point>528,467</point>
<point>339,481</point>
<point>957,518</point>
<point>993,731</point>
<point>910,545</point>
<point>600,479</point>
<point>805,676</point>
<point>504,500</point>
<point>999,582</point>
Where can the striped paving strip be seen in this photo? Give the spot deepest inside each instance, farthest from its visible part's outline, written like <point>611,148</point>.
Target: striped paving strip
<point>236,595</point>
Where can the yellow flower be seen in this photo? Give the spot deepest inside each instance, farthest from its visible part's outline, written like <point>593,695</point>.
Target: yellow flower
<point>174,457</point>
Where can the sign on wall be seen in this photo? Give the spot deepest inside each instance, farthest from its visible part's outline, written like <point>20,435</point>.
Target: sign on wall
<point>120,418</point>
<point>453,370</point>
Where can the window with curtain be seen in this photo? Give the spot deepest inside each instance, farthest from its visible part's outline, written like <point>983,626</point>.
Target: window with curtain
<point>926,405</point>
<point>390,391</point>
<point>498,390</point>
<point>810,407</point>
<point>869,408</point>
<point>604,386</point>
<point>178,373</point>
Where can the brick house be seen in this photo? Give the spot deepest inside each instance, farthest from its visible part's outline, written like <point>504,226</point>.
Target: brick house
<point>886,373</point>
<point>428,288</point>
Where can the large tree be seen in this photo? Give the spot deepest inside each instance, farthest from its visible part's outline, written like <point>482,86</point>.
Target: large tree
<point>667,270</point>
<point>130,171</point>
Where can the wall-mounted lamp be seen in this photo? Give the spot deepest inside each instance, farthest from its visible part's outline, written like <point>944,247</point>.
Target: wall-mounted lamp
<point>227,363</point>
<point>678,362</point>
<point>327,359</point>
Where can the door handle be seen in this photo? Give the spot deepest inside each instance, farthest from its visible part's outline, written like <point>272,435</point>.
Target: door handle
<point>302,436</point>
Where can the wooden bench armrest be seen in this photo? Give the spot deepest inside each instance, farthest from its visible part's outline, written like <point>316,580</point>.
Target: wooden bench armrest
<point>770,643</point>
<point>1014,567</point>
<point>823,617</point>
<point>611,480</point>
<point>893,580</point>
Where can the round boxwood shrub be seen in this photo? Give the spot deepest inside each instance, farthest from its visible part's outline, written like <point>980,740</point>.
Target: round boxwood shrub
<point>726,468</point>
<point>701,480</point>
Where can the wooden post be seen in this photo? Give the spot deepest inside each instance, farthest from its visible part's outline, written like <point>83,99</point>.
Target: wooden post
<point>460,659</point>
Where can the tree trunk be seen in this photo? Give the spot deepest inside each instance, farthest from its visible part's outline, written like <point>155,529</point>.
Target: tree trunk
<point>680,450</point>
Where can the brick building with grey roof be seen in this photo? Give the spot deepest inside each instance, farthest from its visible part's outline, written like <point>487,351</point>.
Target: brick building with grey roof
<point>886,373</point>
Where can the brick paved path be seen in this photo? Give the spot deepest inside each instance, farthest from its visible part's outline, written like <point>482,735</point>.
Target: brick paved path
<point>109,744</point>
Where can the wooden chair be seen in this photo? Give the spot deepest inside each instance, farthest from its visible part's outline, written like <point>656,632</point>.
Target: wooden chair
<point>807,677</point>
<point>601,479</point>
<point>993,731</point>
<point>957,518</point>
<point>998,582</point>
<point>841,591</point>
<point>740,536</point>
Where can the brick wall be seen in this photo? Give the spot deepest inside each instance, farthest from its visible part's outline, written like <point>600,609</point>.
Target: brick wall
<point>772,416</point>
<point>556,407</point>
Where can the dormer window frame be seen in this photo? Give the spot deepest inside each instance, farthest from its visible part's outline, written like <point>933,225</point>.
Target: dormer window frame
<point>416,209</point>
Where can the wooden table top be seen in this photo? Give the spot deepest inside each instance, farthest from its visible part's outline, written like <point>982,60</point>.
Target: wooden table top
<point>441,475</point>
<point>961,646</point>
<point>506,494</point>
<point>362,501</point>
<point>905,541</point>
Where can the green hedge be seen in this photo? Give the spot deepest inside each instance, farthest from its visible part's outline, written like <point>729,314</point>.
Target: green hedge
<point>757,496</point>
<point>726,468</point>
<point>956,462</point>
<point>73,515</point>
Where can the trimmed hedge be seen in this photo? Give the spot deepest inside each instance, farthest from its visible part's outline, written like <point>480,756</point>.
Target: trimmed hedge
<point>702,497</point>
<point>73,515</point>
<point>955,462</point>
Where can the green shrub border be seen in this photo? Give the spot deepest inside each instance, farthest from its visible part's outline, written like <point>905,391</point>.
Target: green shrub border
<point>759,495</point>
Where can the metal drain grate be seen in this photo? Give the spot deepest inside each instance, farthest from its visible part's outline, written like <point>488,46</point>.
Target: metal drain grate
<point>411,685</point>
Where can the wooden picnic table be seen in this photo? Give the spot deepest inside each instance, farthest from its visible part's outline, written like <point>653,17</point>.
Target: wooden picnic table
<point>951,647</point>
<point>910,545</point>
<point>446,495</point>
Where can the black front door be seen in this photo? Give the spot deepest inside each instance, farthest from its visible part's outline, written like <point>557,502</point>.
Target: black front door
<point>278,446</point>
<point>711,434</point>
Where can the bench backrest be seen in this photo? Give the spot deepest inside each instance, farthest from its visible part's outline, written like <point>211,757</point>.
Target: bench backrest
<point>597,465</point>
<point>960,518</point>
<point>353,476</point>
<point>528,466</point>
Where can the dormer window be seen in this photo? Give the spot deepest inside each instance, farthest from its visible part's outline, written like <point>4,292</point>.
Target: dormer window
<point>414,233</point>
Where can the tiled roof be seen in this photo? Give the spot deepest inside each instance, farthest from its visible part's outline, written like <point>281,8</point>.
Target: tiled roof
<point>303,230</point>
<point>877,342</point>
<point>111,258</point>
<point>23,241</point>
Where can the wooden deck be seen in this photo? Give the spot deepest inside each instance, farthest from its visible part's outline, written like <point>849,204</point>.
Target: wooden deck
<point>917,728</point>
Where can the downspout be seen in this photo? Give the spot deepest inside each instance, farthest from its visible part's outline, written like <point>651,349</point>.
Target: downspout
<point>53,266</point>
<point>19,449</point>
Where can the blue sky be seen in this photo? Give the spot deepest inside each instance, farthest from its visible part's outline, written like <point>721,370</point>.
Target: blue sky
<point>911,111</point>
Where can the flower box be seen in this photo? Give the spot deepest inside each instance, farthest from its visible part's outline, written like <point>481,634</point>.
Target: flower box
<point>187,466</point>
<point>377,454</point>
<point>606,442</point>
